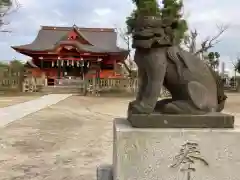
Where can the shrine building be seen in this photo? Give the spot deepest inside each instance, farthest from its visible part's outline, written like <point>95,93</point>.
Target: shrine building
<point>72,51</point>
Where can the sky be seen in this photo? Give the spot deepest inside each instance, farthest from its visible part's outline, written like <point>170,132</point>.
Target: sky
<point>202,15</point>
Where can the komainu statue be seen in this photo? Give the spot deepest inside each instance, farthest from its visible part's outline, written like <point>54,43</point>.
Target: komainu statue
<point>195,88</point>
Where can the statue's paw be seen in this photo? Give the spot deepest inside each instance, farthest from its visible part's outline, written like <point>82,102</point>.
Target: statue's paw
<point>139,108</point>
<point>133,108</point>
<point>134,102</point>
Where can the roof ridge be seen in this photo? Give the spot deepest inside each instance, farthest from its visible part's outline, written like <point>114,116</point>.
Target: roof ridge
<point>66,28</point>
<point>79,33</point>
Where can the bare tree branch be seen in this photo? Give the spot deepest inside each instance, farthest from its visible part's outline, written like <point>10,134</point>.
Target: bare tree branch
<point>211,42</point>
<point>193,36</point>
<point>6,11</point>
<point>190,41</point>
<point>235,61</point>
<point>6,31</point>
<point>127,40</point>
<point>14,6</point>
<point>124,36</point>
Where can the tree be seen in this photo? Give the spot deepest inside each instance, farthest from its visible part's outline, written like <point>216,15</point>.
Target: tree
<point>127,40</point>
<point>143,7</point>
<point>213,60</point>
<point>171,9</point>
<point>208,43</point>
<point>16,69</point>
<point>190,41</point>
<point>7,7</point>
<point>3,65</point>
<point>237,70</point>
<point>237,67</point>
<point>5,3</point>
<point>16,65</point>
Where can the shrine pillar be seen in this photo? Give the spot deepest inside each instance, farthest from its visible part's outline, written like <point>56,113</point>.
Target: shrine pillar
<point>82,68</point>
<point>60,68</point>
<point>115,67</point>
<point>63,67</point>
<point>99,60</point>
<point>41,62</point>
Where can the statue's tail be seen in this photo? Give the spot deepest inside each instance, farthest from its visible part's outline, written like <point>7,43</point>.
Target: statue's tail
<point>221,97</point>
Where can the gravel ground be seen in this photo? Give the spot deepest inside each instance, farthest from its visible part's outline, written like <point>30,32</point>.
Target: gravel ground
<point>66,141</point>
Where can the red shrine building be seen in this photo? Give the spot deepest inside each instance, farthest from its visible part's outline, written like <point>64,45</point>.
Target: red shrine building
<point>72,51</point>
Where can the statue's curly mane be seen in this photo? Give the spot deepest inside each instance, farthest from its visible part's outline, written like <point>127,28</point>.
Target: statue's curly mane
<point>150,31</point>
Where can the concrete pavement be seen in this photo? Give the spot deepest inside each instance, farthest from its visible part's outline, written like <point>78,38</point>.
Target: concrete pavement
<point>15,112</point>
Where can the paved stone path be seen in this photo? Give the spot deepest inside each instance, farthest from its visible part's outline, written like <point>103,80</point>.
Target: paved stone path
<point>15,112</point>
<point>67,140</point>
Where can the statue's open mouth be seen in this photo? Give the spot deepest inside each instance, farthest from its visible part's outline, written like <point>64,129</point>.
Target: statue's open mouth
<point>140,36</point>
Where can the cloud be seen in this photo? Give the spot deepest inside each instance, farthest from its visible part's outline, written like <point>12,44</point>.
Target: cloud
<point>27,21</point>
<point>206,15</point>
<point>202,15</point>
<point>57,12</point>
<point>102,11</point>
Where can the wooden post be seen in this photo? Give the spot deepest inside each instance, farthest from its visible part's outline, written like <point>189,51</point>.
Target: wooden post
<point>98,67</point>
<point>115,67</point>
<point>41,63</point>
<point>82,69</point>
<point>59,69</point>
<point>64,68</point>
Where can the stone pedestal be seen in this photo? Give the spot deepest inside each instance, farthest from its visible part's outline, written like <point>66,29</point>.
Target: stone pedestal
<point>104,172</point>
<point>174,154</point>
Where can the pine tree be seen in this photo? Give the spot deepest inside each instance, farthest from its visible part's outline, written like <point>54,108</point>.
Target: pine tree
<point>144,8</point>
<point>171,9</point>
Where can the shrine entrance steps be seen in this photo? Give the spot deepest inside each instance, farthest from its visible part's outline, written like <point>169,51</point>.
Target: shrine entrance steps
<point>63,90</point>
<point>66,86</point>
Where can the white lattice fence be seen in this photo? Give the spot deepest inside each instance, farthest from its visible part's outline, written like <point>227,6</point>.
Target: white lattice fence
<point>124,84</point>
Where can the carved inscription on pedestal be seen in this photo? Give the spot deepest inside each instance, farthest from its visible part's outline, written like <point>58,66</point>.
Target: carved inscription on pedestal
<point>185,160</point>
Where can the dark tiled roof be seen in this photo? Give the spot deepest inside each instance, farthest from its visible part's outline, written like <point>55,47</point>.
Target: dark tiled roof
<point>101,39</point>
<point>89,48</point>
<point>48,38</point>
<point>45,40</point>
<point>31,64</point>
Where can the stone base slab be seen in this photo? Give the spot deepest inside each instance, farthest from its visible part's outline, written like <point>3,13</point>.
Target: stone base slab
<point>174,154</point>
<point>210,120</point>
